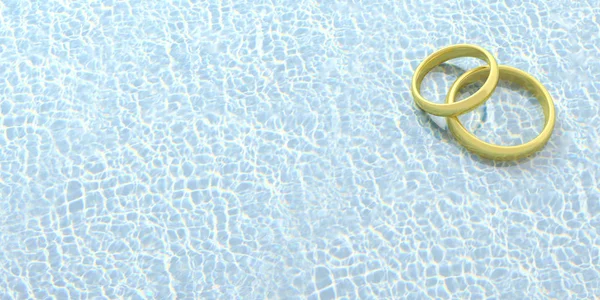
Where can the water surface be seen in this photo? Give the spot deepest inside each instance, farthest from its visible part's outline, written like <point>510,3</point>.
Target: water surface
<point>271,149</point>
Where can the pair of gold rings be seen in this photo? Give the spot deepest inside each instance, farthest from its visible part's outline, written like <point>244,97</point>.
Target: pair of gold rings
<point>494,72</point>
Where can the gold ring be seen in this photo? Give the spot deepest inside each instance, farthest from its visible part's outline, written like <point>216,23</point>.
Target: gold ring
<point>455,108</point>
<point>496,152</point>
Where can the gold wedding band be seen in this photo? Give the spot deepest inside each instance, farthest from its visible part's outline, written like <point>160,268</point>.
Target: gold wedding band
<point>496,152</point>
<point>493,72</point>
<point>466,105</point>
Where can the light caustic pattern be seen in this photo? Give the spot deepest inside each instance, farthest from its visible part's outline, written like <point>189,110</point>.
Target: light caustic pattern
<point>271,149</point>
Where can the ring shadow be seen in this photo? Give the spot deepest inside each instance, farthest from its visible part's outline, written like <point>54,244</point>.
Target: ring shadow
<point>445,134</point>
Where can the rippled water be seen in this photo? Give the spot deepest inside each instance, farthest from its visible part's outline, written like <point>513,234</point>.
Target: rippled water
<point>271,149</point>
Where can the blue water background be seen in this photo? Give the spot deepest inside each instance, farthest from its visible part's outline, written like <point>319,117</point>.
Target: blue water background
<point>258,149</point>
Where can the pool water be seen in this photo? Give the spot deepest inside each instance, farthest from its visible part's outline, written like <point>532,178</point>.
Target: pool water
<point>270,149</point>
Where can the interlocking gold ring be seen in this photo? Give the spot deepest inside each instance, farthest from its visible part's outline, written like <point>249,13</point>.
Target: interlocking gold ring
<point>469,140</point>
<point>496,152</point>
<point>466,105</point>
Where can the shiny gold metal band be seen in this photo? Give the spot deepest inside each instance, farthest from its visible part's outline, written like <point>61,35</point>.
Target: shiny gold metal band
<point>466,105</point>
<point>496,152</point>
<point>452,109</point>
